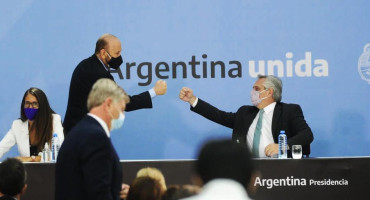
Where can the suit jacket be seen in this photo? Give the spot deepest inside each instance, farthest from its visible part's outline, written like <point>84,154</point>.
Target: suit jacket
<point>87,165</point>
<point>18,134</point>
<point>288,117</point>
<point>84,76</point>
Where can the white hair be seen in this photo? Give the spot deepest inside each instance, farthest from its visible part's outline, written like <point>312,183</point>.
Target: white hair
<point>104,88</point>
<point>275,83</point>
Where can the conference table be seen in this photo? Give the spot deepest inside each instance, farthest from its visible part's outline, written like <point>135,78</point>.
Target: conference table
<point>307,178</point>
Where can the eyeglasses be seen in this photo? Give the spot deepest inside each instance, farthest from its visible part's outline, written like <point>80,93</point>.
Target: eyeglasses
<point>34,104</point>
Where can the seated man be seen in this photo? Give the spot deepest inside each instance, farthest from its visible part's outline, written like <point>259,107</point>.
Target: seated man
<point>12,179</point>
<point>226,170</point>
<point>259,126</point>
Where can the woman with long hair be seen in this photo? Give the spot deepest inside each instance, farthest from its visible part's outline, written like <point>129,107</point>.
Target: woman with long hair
<point>34,128</point>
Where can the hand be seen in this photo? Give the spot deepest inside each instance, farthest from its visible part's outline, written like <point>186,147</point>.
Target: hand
<point>29,159</point>
<point>160,87</point>
<point>36,158</point>
<point>124,191</point>
<point>271,149</point>
<point>186,94</point>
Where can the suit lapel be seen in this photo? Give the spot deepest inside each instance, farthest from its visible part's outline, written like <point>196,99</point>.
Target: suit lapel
<point>24,143</point>
<point>275,119</point>
<point>251,117</point>
<point>244,125</point>
<point>103,68</point>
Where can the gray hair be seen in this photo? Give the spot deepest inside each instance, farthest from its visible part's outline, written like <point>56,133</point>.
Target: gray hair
<point>104,88</point>
<point>274,83</point>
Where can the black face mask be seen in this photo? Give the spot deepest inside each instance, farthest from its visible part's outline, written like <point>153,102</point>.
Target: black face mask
<point>115,62</point>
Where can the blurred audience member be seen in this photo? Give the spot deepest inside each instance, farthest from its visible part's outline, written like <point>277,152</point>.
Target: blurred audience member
<point>34,128</point>
<point>225,169</point>
<point>175,192</point>
<point>153,173</point>
<point>145,188</point>
<point>12,179</point>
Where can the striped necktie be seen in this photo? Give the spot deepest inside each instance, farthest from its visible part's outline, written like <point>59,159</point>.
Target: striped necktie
<point>257,135</point>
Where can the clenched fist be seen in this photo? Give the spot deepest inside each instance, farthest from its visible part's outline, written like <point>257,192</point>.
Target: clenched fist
<point>160,87</point>
<point>186,94</point>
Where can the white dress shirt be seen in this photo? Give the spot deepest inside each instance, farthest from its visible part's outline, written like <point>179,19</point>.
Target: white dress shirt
<point>221,189</point>
<point>266,132</point>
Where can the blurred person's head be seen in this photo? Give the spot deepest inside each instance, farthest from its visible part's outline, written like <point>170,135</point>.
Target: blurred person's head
<point>108,101</point>
<point>225,159</point>
<point>145,188</point>
<point>35,107</point>
<point>153,173</point>
<point>175,192</point>
<point>12,178</point>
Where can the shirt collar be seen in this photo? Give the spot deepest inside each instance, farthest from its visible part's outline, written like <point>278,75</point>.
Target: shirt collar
<point>101,122</point>
<point>269,108</point>
<point>106,68</point>
<point>5,195</point>
<point>221,187</point>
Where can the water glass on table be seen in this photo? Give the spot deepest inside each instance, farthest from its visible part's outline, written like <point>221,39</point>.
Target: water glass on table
<point>297,151</point>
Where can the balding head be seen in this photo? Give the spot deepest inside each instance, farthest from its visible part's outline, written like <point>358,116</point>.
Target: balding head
<point>105,41</point>
<point>107,47</point>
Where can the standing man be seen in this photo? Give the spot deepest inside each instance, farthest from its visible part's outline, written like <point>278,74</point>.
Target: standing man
<point>259,125</point>
<point>107,55</point>
<point>88,166</point>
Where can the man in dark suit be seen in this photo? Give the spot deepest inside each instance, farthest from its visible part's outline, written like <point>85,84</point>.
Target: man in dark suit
<point>88,166</point>
<point>262,122</point>
<point>107,55</point>
<point>12,179</point>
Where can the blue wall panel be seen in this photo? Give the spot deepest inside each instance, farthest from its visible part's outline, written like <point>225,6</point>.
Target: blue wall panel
<point>317,46</point>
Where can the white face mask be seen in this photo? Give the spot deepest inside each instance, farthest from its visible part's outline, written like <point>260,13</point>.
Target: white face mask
<point>255,97</point>
<point>117,123</point>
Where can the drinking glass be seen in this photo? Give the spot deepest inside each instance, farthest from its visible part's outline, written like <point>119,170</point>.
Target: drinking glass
<point>297,151</point>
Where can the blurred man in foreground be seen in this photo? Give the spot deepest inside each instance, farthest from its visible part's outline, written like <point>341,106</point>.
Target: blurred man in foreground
<point>12,179</point>
<point>225,170</point>
<point>88,166</point>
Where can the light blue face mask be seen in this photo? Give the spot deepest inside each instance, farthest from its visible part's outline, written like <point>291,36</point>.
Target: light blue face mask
<point>117,123</point>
